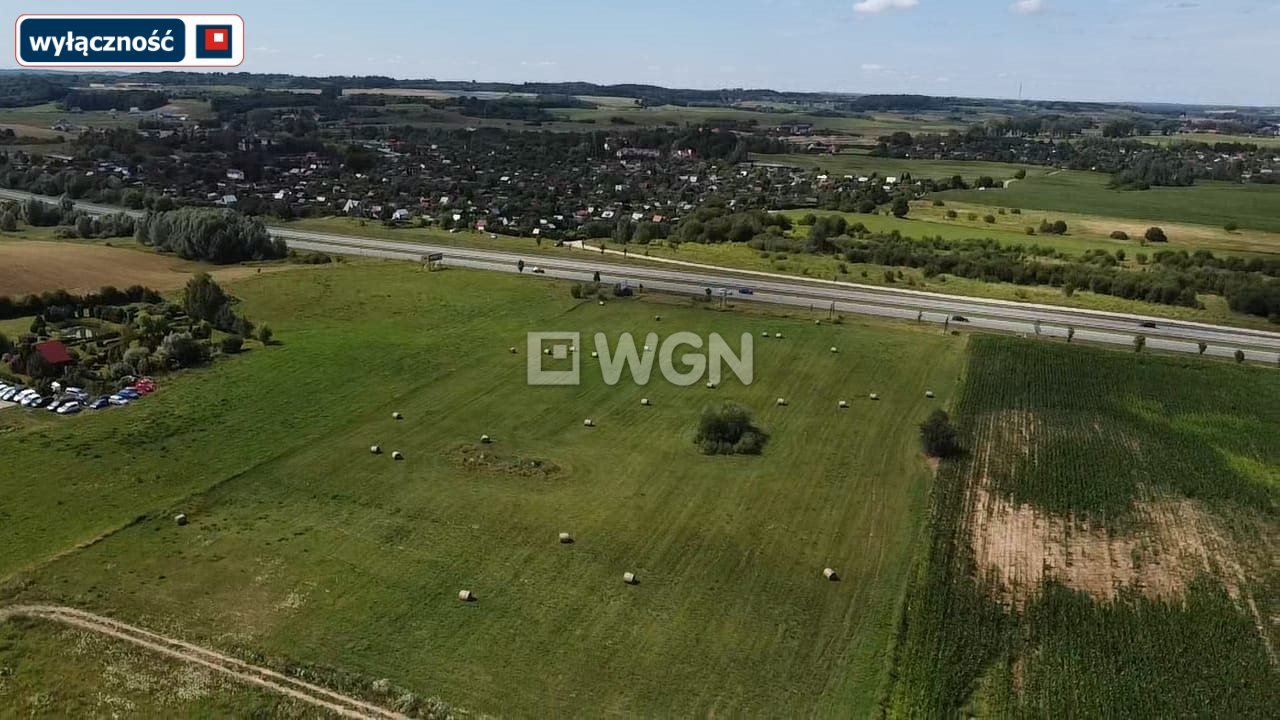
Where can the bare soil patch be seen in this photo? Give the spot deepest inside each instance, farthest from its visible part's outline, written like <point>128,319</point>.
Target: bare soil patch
<point>35,267</point>
<point>1170,541</point>
<point>483,458</point>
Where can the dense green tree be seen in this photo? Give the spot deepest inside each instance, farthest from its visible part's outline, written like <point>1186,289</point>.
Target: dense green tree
<point>938,437</point>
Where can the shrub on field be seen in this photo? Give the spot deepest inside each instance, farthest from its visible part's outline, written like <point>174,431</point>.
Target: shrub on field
<point>182,350</point>
<point>989,219</point>
<point>231,344</point>
<point>952,215</point>
<point>728,430</point>
<point>1231,226</point>
<point>1119,235</point>
<point>938,436</point>
<point>1155,235</point>
<point>8,221</point>
<point>938,203</point>
<point>265,334</point>
<point>1016,211</point>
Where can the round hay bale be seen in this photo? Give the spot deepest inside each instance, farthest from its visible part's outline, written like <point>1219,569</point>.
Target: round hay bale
<point>565,538</point>
<point>595,354</point>
<point>588,423</point>
<point>602,302</point>
<point>778,335</point>
<point>830,574</point>
<point>485,439</point>
<point>835,349</point>
<point>396,416</point>
<point>466,596</point>
<point>376,450</point>
<point>844,404</point>
<point>513,351</point>
<point>629,578</point>
<point>764,334</point>
<point>648,349</point>
<point>928,393</point>
<point>711,386</point>
<point>546,351</point>
<point>874,396</point>
<point>782,402</point>
<point>573,348</point>
<point>180,519</point>
<point>396,455</point>
<point>817,322</point>
<point>657,318</point>
<point>645,402</point>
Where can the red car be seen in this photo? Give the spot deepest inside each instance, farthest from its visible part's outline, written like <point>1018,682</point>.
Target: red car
<point>145,386</point>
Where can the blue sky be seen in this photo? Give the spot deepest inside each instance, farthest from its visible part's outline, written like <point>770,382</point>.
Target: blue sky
<point>1215,51</point>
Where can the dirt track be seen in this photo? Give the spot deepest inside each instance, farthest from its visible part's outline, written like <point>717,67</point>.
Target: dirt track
<point>339,704</point>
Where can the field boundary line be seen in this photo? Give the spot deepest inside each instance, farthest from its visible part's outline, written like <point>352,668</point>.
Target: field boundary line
<point>266,678</point>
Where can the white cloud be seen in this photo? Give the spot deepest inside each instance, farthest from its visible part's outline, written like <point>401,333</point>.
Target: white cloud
<point>871,67</point>
<point>1027,7</point>
<point>879,6</point>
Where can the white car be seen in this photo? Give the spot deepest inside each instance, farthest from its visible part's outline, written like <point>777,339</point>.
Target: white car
<point>117,400</point>
<point>69,408</point>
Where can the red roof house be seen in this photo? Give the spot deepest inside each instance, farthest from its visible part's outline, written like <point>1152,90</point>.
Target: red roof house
<point>53,352</point>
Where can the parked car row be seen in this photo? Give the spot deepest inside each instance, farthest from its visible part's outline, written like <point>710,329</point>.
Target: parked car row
<point>72,400</point>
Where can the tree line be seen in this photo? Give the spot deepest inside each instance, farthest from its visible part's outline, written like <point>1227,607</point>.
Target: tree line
<point>216,236</point>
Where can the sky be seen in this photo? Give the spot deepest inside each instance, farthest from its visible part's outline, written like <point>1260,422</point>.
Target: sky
<point>1198,51</point>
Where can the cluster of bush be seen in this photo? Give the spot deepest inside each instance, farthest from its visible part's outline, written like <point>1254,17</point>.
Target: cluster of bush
<point>61,304</point>
<point>217,236</point>
<point>729,430</point>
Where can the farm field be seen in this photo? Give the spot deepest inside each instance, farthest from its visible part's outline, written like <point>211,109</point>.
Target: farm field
<point>37,266</point>
<point>1106,546</point>
<point>1212,138</point>
<point>304,546</point>
<point>99,676</point>
<point>860,163</point>
<point>1213,204</point>
<point>1088,231</point>
<point>869,125</point>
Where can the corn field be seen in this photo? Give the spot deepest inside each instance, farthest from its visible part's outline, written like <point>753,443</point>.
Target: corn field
<point>1106,545</point>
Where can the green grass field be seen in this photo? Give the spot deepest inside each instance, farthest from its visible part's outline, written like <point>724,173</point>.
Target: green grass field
<point>860,163</point>
<point>306,547</point>
<point>101,677</point>
<point>1105,546</point>
<point>1207,203</point>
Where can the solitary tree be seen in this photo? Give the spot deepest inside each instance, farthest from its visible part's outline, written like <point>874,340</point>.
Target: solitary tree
<point>1155,235</point>
<point>265,334</point>
<point>1071,333</point>
<point>1239,356</point>
<point>596,277</point>
<point>1203,346</point>
<point>901,207</point>
<point>1139,342</point>
<point>938,436</point>
<point>520,265</point>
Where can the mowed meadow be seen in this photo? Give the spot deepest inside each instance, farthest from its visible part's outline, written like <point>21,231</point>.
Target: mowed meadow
<point>306,548</point>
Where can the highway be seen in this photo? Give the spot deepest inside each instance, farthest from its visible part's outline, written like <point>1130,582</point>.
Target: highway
<point>848,298</point>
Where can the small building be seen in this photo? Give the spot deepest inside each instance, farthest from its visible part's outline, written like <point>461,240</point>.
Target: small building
<point>53,352</point>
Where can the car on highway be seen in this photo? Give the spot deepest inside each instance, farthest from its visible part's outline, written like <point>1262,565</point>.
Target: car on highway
<point>746,291</point>
<point>1148,324</point>
<point>537,270</point>
<point>959,318</point>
